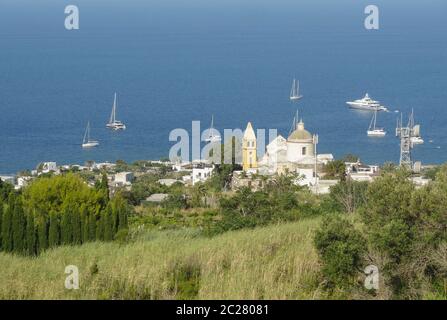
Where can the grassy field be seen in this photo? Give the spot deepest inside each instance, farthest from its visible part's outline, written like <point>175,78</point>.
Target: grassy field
<point>275,262</point>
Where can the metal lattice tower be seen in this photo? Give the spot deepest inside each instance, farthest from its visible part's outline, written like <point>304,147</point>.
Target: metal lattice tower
<point>405,134</point>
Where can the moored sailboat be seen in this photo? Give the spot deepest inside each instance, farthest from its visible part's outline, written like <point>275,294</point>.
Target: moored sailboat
<point>87,142</point>
<point>373,131</point>
<point>213,136</point>
<point>295,91</point>
<point>113,123</point>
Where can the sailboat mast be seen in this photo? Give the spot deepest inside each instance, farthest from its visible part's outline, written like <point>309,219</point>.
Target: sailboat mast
<point>375,119</point>
<point>292,91</point>
<point>86,133</point>
<point>212,127</point>
<point>114,108</point>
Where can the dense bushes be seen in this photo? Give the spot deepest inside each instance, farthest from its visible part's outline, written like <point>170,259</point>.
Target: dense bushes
<point>279,200</point>
<point>59,210</point>
<point>341,248</point>
<point>405,230</point>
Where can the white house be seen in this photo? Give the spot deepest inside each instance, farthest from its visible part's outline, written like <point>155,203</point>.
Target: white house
<point>361,172</point>
<point>201,173</point>
<point>123,178</point>
<point>47,167</point>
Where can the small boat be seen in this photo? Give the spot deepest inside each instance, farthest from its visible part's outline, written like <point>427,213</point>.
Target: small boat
<point>295,91</point>
<point>113,123</point>
<point>213,134</point>
<point>373,131</point>
<point>417,140</point>
<point>87,142</point>
<point>366,104</point>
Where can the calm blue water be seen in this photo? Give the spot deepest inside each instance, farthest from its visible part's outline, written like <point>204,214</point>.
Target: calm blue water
<point>176,61</point>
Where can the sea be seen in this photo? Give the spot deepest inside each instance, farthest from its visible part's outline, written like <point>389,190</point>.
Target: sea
<point>176,61</point>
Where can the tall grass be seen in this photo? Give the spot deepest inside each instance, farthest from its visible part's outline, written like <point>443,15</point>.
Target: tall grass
<point>275,262</point>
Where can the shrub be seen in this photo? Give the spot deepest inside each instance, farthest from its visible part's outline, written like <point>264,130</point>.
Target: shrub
<point>341,249</point>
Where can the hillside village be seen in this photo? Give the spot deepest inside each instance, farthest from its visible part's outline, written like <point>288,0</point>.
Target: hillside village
<point>295,154</point>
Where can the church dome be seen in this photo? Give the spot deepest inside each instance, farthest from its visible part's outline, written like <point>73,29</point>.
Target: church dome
<point>300,134</point>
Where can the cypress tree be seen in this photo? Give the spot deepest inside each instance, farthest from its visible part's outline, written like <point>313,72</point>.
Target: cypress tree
<point>54,231</point>
<point>76,226</point>
<point>104,188</point>
<point>66,231</point>
<point>92,227</point>
<point>84,226</point>
<point>108,225</point>
<point>122,216</point>
<point>114,217</point>
<point>100,227</point>
<point>7,241</point>
<point>31,235</point>
<point>42,233</point>
<point>1,220</point>
<point>18,227</point>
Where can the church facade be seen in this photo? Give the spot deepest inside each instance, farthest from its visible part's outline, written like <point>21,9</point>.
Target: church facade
<point>296,154</point>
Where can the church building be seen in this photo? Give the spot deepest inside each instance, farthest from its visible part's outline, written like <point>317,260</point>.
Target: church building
<point>297,154</point>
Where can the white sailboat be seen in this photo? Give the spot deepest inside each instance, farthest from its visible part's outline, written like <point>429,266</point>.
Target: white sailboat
<point>212,135</point>
<point>373,131</point>
<point>295,91</point>
<point>87,142</point>
<point>113,123</point>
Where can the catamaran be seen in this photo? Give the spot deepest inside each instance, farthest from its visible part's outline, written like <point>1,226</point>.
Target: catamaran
<point>113,123</point>
<point>87,142</point>
<point>366,104</point>
<point>213,136</point>
<point>295,91</point>
<point>373,131</point>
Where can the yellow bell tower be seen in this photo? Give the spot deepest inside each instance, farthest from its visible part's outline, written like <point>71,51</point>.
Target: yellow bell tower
<point>249,156</point>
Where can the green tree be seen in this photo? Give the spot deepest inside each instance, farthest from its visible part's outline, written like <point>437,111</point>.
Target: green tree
<point>341,249</point>
<point>42,233</point>
<point>335,170</point>
<point>1,220</point>
<point>31,235</point>
<point>104,188</point>
<point>389,197</point>
<point>107,224</point>
<point>75,218</point>
<point>347,196</point>
<point>84,225</point>
<point>66,228</point>
<point>54,231</point>
<point>7,238</point>
<point>92,227</point>
<point>18,226</point>
<point>5,190</point>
